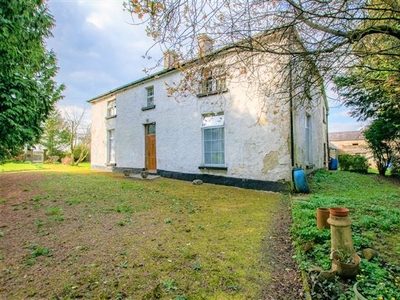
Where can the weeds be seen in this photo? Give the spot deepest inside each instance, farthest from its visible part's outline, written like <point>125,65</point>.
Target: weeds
<point>124,222</point>
<point>36,251</point>
<point>375,221</point>
<point>73,201</point>
<point>123,264</point>
<point>39,223</point>
<point>187,253</point>
<point>169,285</point>
<point>54,211</point>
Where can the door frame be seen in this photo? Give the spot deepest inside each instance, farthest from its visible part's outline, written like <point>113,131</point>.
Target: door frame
<point>150,154</point>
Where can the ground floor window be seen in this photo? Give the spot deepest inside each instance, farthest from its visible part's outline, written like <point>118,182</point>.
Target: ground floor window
<point>309,142</point>
<point>213,128</point>
<point>111,146</point>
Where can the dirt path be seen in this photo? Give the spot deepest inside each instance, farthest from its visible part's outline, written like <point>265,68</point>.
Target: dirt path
<point>286,278</point>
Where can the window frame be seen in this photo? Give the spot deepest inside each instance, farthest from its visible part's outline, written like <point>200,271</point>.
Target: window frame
<point>111,147</point>
<point>204,128</point>
<point>150,97</point>
<point>111,108</point>
<point>308,139</point>
<point>212,81</point>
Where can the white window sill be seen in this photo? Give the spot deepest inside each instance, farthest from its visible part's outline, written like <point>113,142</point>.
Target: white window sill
<point>201,95</point>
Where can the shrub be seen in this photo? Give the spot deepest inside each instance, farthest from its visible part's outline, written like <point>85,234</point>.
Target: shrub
<point>356,163</point>
<point>395,168</point>
<point>344,161</point>
<point>359,164</point>
<point>78,151</point>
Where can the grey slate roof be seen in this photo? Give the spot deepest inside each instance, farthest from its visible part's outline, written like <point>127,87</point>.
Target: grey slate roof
<point>346,136</point>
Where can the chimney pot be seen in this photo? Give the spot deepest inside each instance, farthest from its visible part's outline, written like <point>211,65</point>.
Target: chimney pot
<point>205,44</point>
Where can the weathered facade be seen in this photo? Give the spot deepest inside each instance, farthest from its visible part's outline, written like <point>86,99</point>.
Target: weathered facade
<point>231,132</point>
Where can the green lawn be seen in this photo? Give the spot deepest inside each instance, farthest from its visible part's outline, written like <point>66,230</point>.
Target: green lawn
<point>374,205</point>
<point>96,235</point>
<point>29,166</point>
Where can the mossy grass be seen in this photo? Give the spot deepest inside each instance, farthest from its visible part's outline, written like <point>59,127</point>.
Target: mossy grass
<point>373,202</point>
<point>179,241</point>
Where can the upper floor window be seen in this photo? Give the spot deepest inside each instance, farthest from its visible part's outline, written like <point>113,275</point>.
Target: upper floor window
<point>213,81</point>
<point>150,96</point>
<point>111,108</point>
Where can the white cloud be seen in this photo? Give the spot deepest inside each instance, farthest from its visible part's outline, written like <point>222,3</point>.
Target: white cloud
<point>98,20</point>
<point>96,47</point>
<point>75,112</point>
<point>98,50</point>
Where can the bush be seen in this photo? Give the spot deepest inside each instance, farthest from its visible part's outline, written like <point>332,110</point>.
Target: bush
<point>356,163</point>
<point>344,161</point>
<point>55,152</point>
<point>77,152</point>
<point>359,164</point>
<point>395,168</point>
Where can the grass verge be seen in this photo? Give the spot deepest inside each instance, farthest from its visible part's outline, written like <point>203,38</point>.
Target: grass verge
<point>375,212</point>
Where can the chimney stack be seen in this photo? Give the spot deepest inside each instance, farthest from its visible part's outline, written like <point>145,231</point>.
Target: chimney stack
<point>205,44</point>
<point>169,59</point>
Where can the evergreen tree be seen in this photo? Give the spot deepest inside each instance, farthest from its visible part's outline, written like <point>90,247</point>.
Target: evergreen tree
<point>28,91</point>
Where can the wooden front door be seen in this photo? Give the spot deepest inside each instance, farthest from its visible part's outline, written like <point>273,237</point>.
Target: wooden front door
<point>150,151</point>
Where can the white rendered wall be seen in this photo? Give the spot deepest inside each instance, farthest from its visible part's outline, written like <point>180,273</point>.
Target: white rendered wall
<point>257,129</point>
<point>256,143</point>
<point>318,135</point>
<point>99,126</point>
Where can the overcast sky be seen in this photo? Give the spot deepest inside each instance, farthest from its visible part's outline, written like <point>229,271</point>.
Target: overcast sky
<point>98,50</point>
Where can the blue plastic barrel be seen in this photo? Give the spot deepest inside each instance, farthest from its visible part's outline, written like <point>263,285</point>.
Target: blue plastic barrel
<point>300,181</point>
<point>333,164</point>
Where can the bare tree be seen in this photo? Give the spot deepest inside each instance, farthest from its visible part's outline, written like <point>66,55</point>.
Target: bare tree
<point>320,38</point>
<point>79,135</point>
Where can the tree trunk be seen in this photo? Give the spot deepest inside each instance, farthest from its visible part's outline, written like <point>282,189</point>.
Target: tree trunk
<point>382,170</point>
